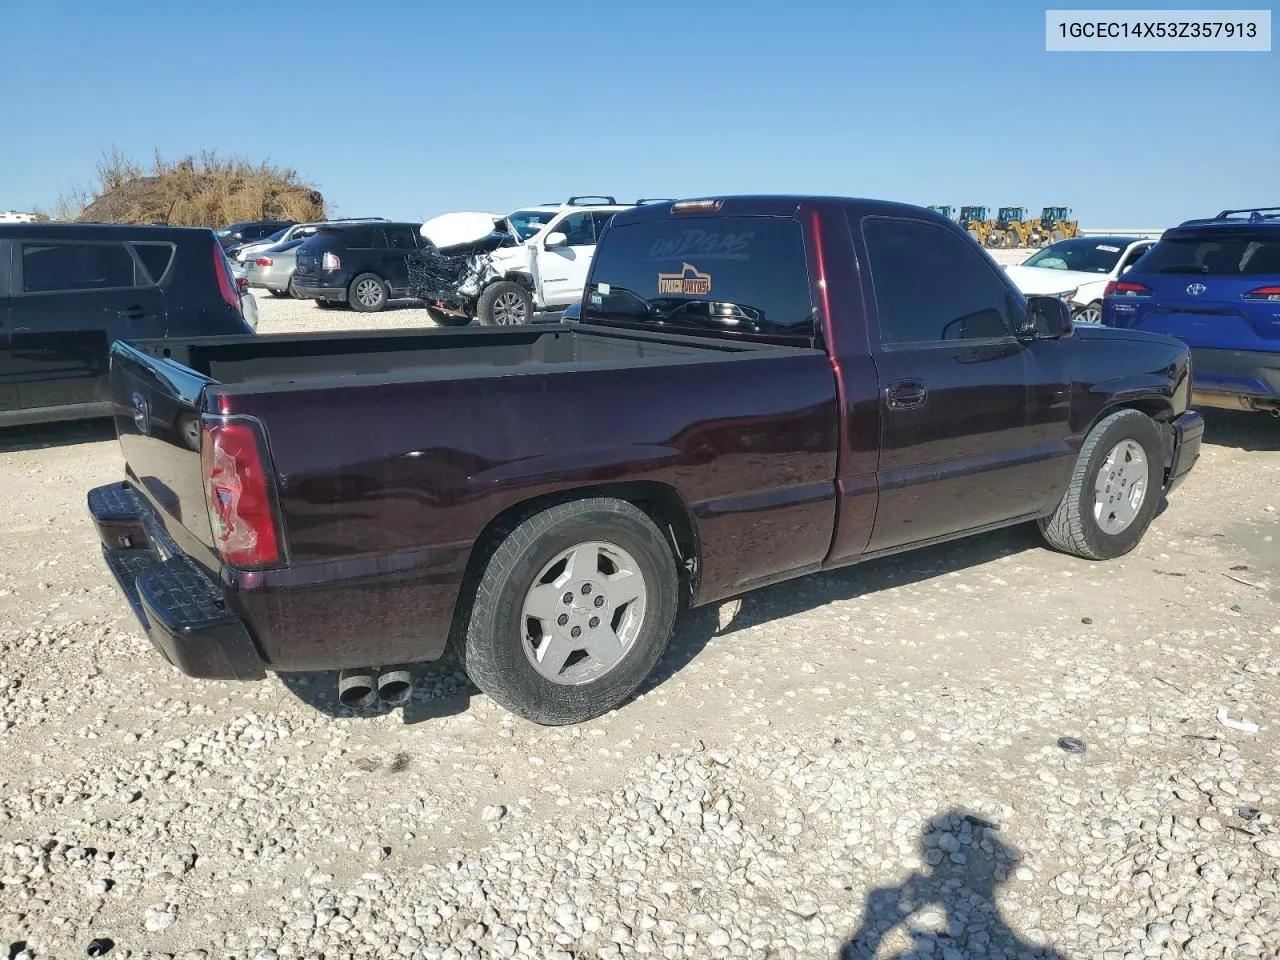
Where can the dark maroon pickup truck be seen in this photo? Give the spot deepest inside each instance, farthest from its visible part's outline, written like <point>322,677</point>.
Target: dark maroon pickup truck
<point>759,388</point>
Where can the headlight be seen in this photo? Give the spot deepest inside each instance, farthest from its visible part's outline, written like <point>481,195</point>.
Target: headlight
<point>1066,294</point>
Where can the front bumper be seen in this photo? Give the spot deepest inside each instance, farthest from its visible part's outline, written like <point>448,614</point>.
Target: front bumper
<point>1235,379</point>
<point>1187,435</point>
<point>182,609</point>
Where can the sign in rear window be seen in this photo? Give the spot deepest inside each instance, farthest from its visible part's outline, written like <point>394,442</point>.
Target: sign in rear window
<point>729,273</point>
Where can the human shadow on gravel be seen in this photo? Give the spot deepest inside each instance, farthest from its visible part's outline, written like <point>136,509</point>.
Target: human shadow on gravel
<point>440,689</point>
<point>696,628</point>
<point>950,908</point>
<point>45,435</point>
<point>1251,432</point>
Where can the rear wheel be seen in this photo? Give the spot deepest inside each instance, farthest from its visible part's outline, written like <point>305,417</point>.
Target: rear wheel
<point>368,293</point>
<point>1114,490</point>
<point>575,607</point>
<point>505,304</point>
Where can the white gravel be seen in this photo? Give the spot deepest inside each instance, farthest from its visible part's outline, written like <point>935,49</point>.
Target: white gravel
<point>814,763</point>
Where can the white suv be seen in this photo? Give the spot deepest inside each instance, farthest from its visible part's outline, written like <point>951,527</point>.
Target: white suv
<point>542,265</point>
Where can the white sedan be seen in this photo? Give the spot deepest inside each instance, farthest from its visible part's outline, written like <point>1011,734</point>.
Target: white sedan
<point>1078,270</point>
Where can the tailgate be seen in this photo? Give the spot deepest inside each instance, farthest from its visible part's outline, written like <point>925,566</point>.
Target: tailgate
<point>156,403</point>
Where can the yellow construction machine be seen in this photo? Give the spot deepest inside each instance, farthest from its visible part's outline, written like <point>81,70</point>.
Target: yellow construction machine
<point>974,219</point>
<point>1009,229</point>
<point>941,208</point>
<point>1055,226</point>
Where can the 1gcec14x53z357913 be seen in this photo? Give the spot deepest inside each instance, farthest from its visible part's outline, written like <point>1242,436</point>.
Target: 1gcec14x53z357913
<point>758,388</point>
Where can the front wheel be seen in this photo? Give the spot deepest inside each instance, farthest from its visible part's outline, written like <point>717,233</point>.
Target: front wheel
<point>1114,489</point>
<point>575,607</point>
<point>442,319</point>
<point>505,304</point>
<point>1091,313</point>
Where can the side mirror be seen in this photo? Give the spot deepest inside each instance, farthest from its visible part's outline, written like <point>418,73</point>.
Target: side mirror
<point>1047,318</point>
<point>556,239</point>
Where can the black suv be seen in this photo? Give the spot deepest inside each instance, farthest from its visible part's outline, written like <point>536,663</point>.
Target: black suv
<point>67,290</point>
<point>249,231</point>
<point>360,264</point>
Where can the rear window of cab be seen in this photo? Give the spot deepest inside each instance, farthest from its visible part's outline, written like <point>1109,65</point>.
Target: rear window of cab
<point>742,274</point>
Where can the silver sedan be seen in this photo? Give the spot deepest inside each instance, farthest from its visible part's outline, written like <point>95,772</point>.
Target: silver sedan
<point>272,269</point>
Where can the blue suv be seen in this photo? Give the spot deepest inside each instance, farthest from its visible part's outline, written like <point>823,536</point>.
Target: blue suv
<point>1214,284</point>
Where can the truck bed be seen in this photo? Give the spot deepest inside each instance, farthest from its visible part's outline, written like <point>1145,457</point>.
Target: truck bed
<point>306,359</point>
<point>390,453</point>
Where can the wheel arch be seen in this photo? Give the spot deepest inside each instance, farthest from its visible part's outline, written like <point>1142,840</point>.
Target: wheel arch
<point>1158,408</point>
<point>661,502</point>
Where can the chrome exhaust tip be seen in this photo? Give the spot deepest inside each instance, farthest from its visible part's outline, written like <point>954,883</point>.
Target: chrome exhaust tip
<point>355,687</point>
<point>395,686</point>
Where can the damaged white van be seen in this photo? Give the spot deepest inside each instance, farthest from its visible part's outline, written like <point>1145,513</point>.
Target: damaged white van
<point>502,270</point>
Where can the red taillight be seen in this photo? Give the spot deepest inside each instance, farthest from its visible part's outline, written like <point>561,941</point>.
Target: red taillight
<point>264,261</point>
<point>235,483</point>
<point>1263,293</point>
<point>1125,288</point>
<point>226,286</point>
<point>331,262</point>
<point>242,284</point>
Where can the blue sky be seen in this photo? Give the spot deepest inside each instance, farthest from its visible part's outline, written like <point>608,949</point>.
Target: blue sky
<point>404,108</point>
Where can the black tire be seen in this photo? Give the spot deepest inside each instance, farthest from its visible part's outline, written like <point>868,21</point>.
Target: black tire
<point>502,292</point>
<point>492,650</point>
<point>368,293</point>
<point>1072,527</point>
<point>293,291</point>
<point>329,304</point>
<point>446,319</point>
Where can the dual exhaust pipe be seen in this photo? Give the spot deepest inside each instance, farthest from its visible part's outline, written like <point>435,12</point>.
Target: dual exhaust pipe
<point>359,687</point>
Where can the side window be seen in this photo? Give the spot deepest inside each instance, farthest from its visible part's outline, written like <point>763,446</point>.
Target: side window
<point>400,238</point>
<point>578,228</point>
<point>156,257</point>
<point>601,220</point>
<point>931,287</point>
<point>367,239</point>
<point>1134,256</point>
<point>48,267</point>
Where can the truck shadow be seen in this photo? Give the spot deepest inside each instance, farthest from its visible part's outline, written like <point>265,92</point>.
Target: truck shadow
<point>45,435</point>
<point>1251,432</point>
<point>698,627</point>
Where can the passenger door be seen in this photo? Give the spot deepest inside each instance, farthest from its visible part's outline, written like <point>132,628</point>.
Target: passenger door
<point>564,269</point>
<point>71,299</point>
<point>957,448</point>
<point>8,388</point>
<point>401,242</point>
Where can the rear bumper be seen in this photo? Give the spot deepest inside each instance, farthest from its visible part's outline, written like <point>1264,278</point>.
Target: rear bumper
<point>1235,379</point>
<point>269,280</point>
<point>1188,433</point>
<point>319,289</point>
<point>182,609</point>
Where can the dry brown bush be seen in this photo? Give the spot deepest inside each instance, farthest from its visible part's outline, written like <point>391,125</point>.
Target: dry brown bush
<point>203,191</point>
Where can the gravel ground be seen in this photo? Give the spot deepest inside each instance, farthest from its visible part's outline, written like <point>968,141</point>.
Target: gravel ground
<point>979,750</point>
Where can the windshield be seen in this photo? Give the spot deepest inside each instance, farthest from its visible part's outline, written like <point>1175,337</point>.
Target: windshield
<point>277,236</point>
<point>224,232</point>
<point>742,274</point>
<point>526,223</point>
<point>1081,253</point>
<point>1217,254</point>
